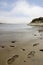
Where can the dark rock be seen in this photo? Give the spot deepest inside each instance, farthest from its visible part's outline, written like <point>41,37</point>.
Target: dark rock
<point>23,49</point>
<point>13,41</point>
<point>2,46</point>
<point>35,35</point>
<point>41,50</point>
<point>24,61</point>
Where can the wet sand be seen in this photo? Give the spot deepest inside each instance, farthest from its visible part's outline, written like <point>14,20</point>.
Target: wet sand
<point>21,48</point>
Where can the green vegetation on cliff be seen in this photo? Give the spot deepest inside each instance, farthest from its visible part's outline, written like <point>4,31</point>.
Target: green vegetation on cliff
<point>37,20</point>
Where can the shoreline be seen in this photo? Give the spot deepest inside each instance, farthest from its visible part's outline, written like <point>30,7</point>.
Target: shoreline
<point>35,24</point>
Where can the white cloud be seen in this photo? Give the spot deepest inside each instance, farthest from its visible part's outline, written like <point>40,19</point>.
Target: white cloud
<point>14,20</point>
<point>4,13</point>
<point>24,8</point>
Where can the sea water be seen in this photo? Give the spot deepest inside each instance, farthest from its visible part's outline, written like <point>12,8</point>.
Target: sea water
<point>15,27</point>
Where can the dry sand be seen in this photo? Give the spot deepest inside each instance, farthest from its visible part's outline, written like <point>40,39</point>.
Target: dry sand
<point>21,48</point>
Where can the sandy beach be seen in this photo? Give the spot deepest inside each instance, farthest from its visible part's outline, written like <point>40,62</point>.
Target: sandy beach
<point>21,48</point>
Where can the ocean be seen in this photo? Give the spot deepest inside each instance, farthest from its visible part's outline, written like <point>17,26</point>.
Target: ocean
<point>15,27</point>
<point>17,32</point>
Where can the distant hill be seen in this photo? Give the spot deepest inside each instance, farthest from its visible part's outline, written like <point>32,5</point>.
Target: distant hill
<point>37,21</point>
<point>2,23</point>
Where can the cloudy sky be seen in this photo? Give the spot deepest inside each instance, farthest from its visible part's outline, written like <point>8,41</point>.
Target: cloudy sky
<point>20,11</point>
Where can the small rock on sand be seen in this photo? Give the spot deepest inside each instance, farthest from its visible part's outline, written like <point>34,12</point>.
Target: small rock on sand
<point>40,30</point>
<point>13,41</point>
<point>24,61</point>
<point>40,37</point>
<point>35,35</point>
<point>23,49</point>
<point>41,50</point>
<point>2,46</point>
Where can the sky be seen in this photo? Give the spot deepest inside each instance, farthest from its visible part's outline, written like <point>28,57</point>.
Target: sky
<point>20,11</point>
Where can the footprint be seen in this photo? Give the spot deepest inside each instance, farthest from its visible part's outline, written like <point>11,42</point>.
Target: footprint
<point>31,54</point>
<point>35,44</point>
<point>12,59</point>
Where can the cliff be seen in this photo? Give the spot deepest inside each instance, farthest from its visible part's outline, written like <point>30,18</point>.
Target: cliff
<point>37,21</point>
